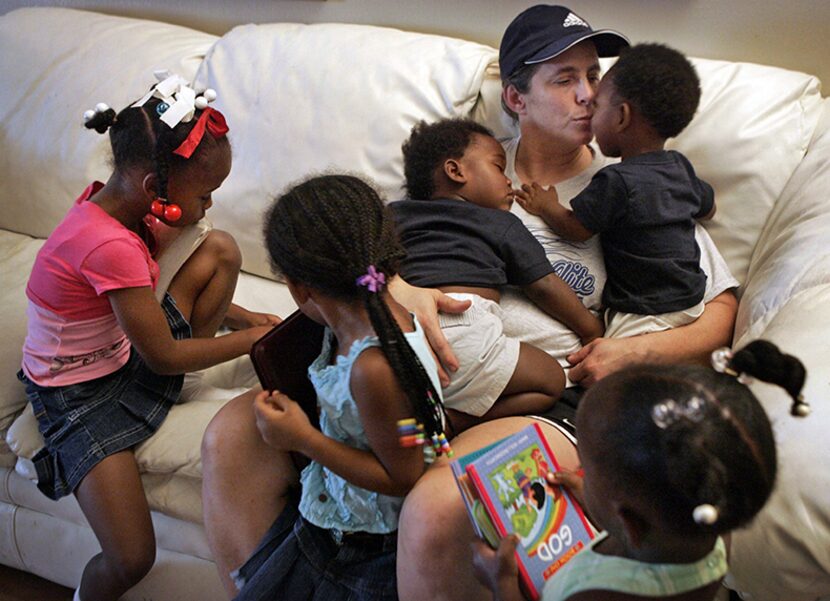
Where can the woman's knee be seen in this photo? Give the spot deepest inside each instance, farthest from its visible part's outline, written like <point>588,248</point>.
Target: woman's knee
<point>229,430</point>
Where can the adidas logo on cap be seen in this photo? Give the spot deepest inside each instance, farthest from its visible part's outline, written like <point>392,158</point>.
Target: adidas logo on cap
<point>572,20</point>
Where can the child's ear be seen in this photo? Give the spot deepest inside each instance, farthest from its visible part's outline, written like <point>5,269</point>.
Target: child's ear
<point>150,185</point>
<point>514,99</point>
<point>454,171</point>
<point>624,116</point>
<point>298,290</point>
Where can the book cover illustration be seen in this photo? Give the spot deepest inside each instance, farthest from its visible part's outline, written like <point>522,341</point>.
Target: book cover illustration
<point>509,479</point>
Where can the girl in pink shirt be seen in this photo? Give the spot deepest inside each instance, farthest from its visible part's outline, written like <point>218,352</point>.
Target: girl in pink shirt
<point>103,359</point>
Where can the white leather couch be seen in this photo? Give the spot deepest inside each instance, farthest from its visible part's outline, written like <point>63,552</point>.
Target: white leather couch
<point>343,97</point>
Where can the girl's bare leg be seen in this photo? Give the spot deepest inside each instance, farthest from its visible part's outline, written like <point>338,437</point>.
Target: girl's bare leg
<point>204,286</point>
<point>244,488</point>
<point>113,501</point>
<point>434,532</point>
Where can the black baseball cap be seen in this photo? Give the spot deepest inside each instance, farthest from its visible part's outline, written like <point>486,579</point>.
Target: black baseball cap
<point>544,31</point>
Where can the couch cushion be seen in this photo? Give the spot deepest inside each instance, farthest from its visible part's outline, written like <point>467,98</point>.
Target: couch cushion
<point>307,98</point>
<point>17,254</point>
<point>793,252</point>
<point>783,555</point>
<point>74,59</point>
<point>751,131</point>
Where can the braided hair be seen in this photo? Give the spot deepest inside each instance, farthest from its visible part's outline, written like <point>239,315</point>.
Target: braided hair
<point>139,138</point>
<point>689,438</point>
<point>324,233</point>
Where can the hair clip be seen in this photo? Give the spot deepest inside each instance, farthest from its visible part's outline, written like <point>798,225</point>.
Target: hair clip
<point>101,107</point>
<point>411,433</point>
<point>721,359</point>
<point>181,100</point>
<point>668,412</point>
<point>372,279</point>
<point>705,514</point>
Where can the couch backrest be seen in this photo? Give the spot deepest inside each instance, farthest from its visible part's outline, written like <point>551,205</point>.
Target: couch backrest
<point>311,98</point>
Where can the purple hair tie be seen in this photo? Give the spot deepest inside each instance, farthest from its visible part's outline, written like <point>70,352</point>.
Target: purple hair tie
<point>372,279</point>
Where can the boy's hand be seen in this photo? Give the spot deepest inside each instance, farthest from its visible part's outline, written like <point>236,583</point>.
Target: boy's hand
<point>536,200</point>
<point>497,569</point>
<point>281,421</point>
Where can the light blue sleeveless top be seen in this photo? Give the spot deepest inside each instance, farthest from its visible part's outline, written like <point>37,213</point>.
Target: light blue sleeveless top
<point>589,570</point>
<point>328,500</point>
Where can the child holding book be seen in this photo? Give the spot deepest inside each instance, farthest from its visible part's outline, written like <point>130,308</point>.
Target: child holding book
<point>682,456</point>
<point>461,238</point>
<point>378,395</point>
<point>645,206</point>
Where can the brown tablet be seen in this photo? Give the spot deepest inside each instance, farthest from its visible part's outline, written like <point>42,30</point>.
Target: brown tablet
<point>281,359</point>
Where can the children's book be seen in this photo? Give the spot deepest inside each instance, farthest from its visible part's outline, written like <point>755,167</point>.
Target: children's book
<point>505,490</point>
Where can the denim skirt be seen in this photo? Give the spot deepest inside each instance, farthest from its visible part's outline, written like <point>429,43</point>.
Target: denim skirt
<point>297,560</point>
<point>83,423</point>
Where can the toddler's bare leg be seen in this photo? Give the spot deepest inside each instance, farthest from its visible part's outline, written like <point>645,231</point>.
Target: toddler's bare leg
<point>536,385</point>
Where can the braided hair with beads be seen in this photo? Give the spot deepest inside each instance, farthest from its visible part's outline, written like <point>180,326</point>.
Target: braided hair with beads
<point>326,233</point>
<point>694,441</point>
<point>139,138</point>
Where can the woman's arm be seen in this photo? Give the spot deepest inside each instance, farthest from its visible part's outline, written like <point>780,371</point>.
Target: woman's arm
<point>142,319</point>
<point>692,343</point>
<point>425,303</point>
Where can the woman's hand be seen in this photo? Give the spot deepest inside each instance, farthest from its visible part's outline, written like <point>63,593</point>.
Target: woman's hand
<point>281,421</point>
<point>425,303</point>
<point>497,569</point>
<point>603,356</point>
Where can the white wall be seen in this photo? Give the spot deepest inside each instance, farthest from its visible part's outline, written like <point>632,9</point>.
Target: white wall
<point>790,34</point>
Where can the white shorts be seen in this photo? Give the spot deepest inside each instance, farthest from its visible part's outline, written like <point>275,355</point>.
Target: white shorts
<point>623,325</point>
<point>486,357</point>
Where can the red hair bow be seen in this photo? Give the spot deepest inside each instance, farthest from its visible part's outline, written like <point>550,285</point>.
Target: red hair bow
<point>210,119</point>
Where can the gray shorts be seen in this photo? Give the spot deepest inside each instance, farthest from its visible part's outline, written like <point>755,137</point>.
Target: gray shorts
<point>487,358</point>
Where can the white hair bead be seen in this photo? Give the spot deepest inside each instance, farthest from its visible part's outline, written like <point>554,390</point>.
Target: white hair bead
<point>802,409</point>
<point>88,115</point>
<point>200,102</point>
<point>705,514</point>
<point>210,94</point>
<point>101,107</point>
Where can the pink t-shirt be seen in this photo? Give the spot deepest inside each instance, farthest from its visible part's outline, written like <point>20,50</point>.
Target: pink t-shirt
<point>73,335</point>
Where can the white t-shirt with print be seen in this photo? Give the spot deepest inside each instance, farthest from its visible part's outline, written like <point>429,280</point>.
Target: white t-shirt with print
<point>581,266</point>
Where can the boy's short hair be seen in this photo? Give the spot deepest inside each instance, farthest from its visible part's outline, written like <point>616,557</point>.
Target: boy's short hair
<point>660,83</point>
<point>429,145</point>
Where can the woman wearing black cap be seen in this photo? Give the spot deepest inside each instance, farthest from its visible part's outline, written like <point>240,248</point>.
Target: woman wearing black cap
<point>549,59</point>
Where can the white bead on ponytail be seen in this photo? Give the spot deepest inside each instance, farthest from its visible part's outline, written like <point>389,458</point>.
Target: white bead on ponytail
<point>705,514</point>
